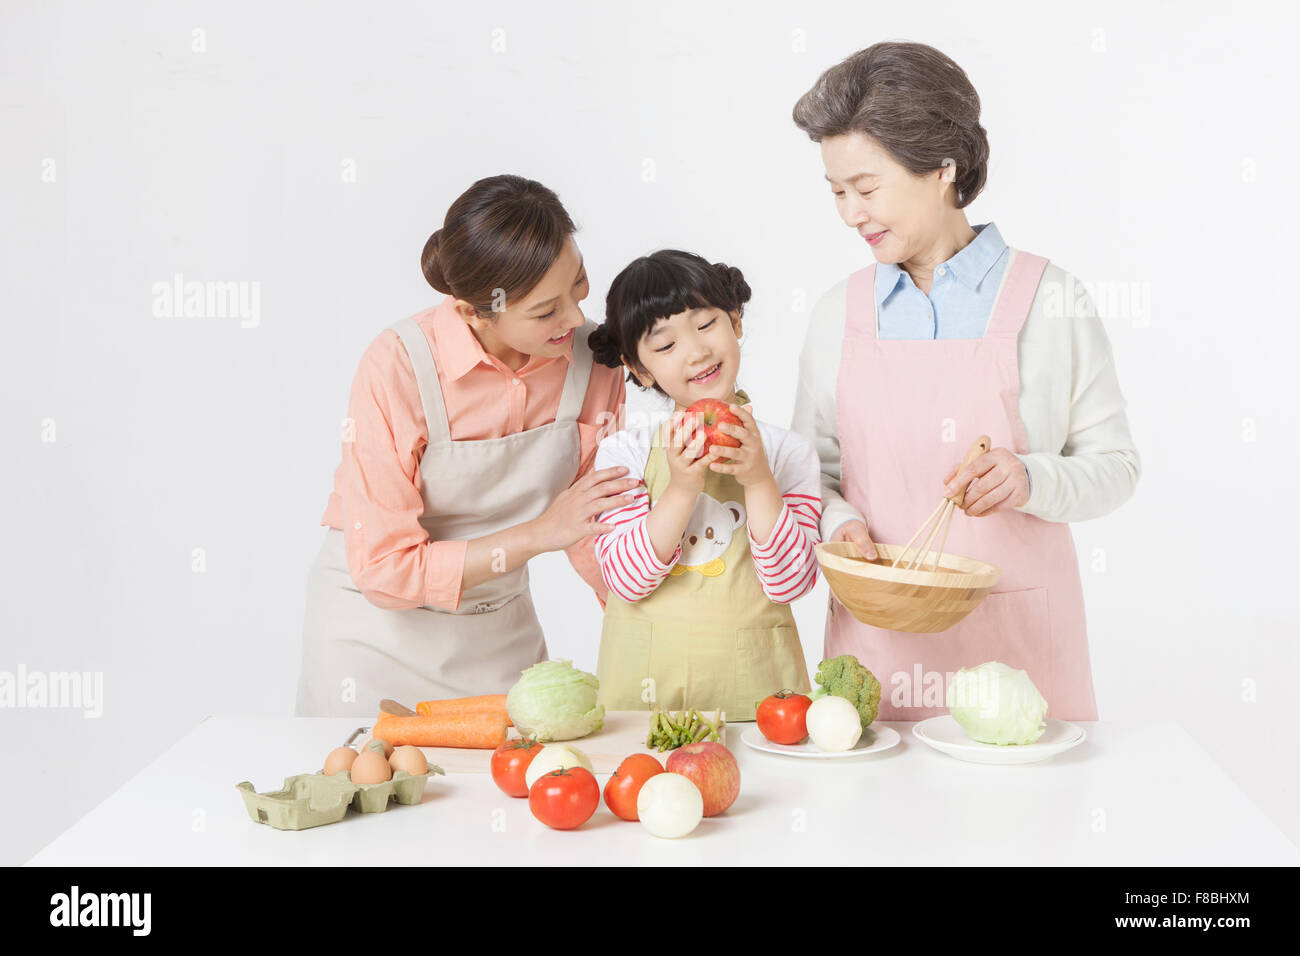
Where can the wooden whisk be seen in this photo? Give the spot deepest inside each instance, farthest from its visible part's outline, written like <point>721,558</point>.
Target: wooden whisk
<point>940,518</point>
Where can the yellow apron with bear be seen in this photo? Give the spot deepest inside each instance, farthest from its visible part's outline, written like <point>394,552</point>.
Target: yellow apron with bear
<point>708,637</point>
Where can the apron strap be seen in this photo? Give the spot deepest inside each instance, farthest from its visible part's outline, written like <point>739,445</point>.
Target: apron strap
<point>1015,298</point>
<point>1011,307</point>
<point>426,378</point>
<point>578,377</point>
<point>861,306</point>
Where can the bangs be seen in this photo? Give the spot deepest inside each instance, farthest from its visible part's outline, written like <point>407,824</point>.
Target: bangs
<point>661,285</point>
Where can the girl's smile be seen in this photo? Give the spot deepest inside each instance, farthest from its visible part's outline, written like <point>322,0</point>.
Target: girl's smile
<point>692,355</point>
<point>710,374</point>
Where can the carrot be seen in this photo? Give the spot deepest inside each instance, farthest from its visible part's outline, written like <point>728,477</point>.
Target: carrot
<point>461,705</point>
<point>477,731</point>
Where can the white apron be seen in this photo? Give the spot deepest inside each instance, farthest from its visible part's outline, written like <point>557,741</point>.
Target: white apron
<point>354,654</point>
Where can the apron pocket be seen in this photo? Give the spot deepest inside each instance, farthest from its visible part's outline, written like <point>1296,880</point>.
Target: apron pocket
<point>622,663</point>
<point>768,659</point>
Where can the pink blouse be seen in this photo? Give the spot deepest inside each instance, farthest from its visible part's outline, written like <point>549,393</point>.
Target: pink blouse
<point>377,483</point>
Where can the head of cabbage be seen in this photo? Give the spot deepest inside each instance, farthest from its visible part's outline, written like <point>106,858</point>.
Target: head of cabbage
<point>997,704</point>
<point>553,700</point>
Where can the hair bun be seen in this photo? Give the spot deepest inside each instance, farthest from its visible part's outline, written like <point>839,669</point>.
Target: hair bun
<point>603,347</point>
<point>734,280</point>
<point>430,266</point>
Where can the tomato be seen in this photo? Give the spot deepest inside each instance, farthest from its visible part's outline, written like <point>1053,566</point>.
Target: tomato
<point>510,762</point>
<point>564,799</point>
<point>625,784</point>
<point>782,717</point>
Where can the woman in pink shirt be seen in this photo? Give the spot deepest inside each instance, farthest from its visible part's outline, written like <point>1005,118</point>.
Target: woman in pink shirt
<point>472,428</point>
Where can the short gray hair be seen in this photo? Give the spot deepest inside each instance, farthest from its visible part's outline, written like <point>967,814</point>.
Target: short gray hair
<point>910,98</point>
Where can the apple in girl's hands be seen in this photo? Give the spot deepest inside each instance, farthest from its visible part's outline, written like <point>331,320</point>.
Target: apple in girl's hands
<point>746,461</point>
<point>688,461</point>
<point>711,414</point>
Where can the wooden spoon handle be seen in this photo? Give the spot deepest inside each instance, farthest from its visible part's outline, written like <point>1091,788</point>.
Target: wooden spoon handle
<point>981,446</point>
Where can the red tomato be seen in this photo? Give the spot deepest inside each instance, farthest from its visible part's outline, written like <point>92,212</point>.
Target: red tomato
<point>509,763</point>
<point>564,799</point>
<point>625,784</point>
<point>783,717</point>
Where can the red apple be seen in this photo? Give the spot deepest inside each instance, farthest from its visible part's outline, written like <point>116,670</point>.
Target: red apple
<point>712,768</point>
<point>710,413</point>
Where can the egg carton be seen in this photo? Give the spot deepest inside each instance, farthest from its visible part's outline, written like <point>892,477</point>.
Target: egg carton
<point>313,799</point>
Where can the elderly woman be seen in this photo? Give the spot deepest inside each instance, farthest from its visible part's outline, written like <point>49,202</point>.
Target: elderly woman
<point>951,334</point>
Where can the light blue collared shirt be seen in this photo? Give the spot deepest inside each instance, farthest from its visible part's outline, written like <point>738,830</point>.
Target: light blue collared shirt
<point>960,300</point>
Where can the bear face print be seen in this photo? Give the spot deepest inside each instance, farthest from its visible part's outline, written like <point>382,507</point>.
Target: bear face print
<point>713,524</point>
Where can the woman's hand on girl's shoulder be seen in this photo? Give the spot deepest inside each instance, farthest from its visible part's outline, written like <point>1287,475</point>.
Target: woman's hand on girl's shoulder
<point>575,512</point>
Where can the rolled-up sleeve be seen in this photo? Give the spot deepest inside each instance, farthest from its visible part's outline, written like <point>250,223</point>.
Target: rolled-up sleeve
<point>391,558</point>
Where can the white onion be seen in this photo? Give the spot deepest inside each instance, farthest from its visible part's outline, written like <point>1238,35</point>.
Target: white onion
<point>833,724</point>
<point>554,757</point>
<point>669,805</point>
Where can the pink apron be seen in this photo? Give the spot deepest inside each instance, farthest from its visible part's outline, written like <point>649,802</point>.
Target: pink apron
<point>907,411</point>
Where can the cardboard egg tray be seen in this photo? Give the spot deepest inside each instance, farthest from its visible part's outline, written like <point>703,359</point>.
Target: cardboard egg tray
<point>313,799</point>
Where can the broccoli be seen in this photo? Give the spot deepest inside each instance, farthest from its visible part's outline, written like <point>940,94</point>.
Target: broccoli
<point>844,677</point>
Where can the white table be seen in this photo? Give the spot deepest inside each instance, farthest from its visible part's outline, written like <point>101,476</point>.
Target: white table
<point>1131,794</point>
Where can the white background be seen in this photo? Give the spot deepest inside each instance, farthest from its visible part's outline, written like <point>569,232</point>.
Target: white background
<point>1151,144</point>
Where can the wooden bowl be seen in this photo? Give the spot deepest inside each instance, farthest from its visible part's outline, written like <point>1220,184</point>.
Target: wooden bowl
<point>916,601</point>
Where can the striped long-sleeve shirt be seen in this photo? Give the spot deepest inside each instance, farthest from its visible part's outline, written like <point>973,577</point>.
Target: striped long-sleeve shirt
<point>784,563</point>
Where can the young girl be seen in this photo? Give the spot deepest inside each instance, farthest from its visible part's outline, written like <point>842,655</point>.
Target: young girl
<point>702,567</point>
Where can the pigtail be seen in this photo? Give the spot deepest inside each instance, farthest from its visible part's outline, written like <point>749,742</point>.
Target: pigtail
<point>604,345</point>
<point>733,281</point>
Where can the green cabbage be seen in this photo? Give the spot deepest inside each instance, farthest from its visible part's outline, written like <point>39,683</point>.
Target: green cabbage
<point>553,700</point>
<point>997,704</point>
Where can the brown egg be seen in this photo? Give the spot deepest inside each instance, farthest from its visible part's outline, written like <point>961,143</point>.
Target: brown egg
<point>340,758</point>
<point>370,767</point>
<point>410,759</point>
<point>367,741</point>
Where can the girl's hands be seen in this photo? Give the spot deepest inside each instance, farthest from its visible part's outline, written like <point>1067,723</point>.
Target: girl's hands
<point>748,463</point>
<point>687,471</point>
<point>998,482</point>
<point>856,532</point>
<point>572,515</point>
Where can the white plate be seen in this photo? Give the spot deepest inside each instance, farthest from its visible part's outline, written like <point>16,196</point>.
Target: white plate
<point>945,735</point>
<point>873,740</point>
